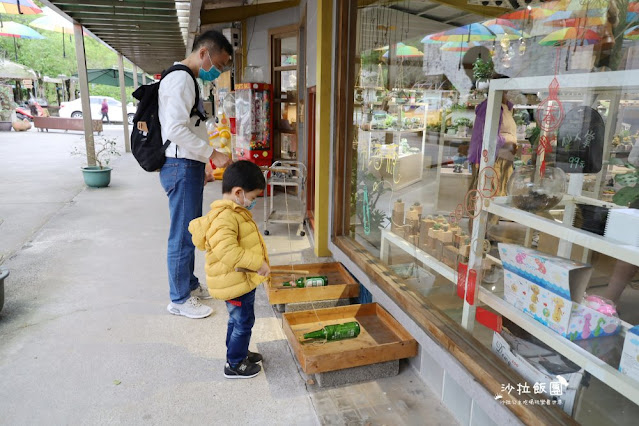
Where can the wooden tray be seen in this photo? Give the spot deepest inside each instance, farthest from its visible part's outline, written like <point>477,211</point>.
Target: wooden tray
<point>341,285</point>
<point>381,338</point>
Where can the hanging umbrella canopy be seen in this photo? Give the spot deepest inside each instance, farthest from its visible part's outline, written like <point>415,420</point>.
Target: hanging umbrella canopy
<point>528,14</point>
<point>506,32</point>
<point>13,29</point>
<point>110,77</point>
<point>457,46</point>
<point>13,71</point>
<point>498,21</point>
<point>632,33</point>
<point>432,38</point>
<point>404,51</point>
<point>21,7</point>
<point>576,22</point>
<point>51,21</point>
<point>561,37</point>
<point>472,32</point>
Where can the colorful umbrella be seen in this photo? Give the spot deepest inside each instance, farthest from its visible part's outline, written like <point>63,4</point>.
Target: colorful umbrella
<point>432,38</point>
<point>497,21</point>
<point>404,51</point>
<point>633,7</point>
<point>560,37</point>
<point>576,22</point>
<point>456,46</point>
<point>15,30</point>
<point>51,21</point>
<point>506,32</point>
<point>472,32</point>
<point>19,7</point>
<point>525,14</point>
<point>632,33</point>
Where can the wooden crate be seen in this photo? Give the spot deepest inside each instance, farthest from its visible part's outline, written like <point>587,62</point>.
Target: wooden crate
<point>341,285</point>
<point>381,338</point>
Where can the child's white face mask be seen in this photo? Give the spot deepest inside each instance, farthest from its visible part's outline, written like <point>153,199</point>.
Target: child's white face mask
<point>248,206</point>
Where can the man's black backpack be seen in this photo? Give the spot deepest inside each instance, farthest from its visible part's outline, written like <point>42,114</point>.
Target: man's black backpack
<point>146,137</point>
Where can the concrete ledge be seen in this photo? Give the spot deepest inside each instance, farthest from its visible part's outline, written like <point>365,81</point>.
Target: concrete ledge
<point>365,373</point>
<point>319,304</point>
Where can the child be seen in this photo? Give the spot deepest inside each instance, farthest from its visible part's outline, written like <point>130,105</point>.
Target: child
<point>233,245</point>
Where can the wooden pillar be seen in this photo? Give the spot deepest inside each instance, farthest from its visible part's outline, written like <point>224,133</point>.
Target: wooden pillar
<point>323,125</point>
<point>135,81</point>
<point>84,94</point>
<point>125,123</point>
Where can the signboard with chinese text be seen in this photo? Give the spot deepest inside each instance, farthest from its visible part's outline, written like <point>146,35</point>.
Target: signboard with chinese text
<point>580,141</point>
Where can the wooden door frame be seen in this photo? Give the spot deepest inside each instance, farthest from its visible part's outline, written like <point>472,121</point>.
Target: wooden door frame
<point>292,30</point>
<point>310,155</point>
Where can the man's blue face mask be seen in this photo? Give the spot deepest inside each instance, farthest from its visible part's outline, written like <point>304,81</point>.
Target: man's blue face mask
<point>211,74</point>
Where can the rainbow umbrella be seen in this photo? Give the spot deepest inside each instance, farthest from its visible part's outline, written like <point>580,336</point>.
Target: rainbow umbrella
<point>457,46</point>
<point>633,7</point>
<point>563,36</point>
<point>19,7</point>
<point>15,30</point>
<point>433,38</point>
<point>506,32</point>
<point>472,32</point>
<point>576,22</point>
<point>404,51</point>
<point>51,21</point>
<point>497,21</point>
<point>632,33</point>
<point>526,14</point>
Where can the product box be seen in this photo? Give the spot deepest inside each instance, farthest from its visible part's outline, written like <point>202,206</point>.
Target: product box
<point>629,364</point>
<point>550,289</point>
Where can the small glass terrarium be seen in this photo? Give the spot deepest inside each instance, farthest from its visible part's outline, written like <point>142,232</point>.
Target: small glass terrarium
<point>529,190</point>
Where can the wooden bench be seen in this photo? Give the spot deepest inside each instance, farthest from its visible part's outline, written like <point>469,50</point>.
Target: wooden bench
<point>58,123</point>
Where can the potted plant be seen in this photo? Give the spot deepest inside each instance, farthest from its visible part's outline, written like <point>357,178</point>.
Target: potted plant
<point>463,124</point>
<point>6,107</point>
<point>99,176</point>
<point>482,72</point>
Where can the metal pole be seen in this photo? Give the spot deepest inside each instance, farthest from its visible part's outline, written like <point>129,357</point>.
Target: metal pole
<point>135,81</point>
<point>143,77</point>
<point>84,94</point>
<point>125,122</point>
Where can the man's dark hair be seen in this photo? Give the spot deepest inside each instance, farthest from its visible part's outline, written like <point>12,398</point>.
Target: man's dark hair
<point>244,174</point>
<point>213,40</point>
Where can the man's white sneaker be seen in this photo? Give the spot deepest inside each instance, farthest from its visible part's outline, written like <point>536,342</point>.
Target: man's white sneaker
<point>201,292</point>
<point>191,308</point>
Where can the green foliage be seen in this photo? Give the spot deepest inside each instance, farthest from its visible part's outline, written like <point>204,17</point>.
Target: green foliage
<point>6,102</point>
<point>483,70</point>
<point>463,122</point>
<point>630,191</point>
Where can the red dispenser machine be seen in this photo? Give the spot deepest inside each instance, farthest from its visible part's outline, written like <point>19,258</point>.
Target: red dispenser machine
<point>254,123</point>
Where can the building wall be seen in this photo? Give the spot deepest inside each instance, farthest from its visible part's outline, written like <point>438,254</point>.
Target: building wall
<point>257,35</point>
<point>311,42</point>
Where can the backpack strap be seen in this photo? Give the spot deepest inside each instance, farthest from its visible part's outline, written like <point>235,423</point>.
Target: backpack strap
<point>195,109</point>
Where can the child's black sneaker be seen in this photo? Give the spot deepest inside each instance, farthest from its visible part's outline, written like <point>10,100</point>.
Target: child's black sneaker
<point>244,370</point>
<point>254,357</point>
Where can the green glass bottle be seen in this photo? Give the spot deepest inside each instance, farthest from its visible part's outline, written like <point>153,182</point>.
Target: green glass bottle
<point>347,330</point>
<point>302,282</point>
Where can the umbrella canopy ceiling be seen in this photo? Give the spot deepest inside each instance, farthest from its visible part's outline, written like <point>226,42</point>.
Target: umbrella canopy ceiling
<point>12,71</point>
<point>472,32</point>
<point>23,7</point>
<point>111,77</point>
<point>455,46</point>
<point>51,21</point>
<point>13,29</point>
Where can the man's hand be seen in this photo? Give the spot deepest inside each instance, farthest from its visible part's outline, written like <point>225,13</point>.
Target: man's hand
<point>264,270</point>
<point>220,160</point>
<point>208,173</point>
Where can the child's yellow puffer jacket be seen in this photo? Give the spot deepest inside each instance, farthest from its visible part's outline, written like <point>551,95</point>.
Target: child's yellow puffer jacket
<point>231,240</point>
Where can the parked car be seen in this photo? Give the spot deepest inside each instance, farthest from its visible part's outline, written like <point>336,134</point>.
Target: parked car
<point>73,109</point>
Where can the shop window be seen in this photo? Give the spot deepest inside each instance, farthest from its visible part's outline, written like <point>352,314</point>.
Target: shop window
<point>477,146</point>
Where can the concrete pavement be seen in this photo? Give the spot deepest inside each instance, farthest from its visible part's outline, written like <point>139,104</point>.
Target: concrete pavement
<point>86,338</point>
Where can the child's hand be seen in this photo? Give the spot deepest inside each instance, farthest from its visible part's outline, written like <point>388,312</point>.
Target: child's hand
<point>264,270</point>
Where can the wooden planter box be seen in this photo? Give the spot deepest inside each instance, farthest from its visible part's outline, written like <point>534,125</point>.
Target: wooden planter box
<point>341,285</point>
<point>381,338</point>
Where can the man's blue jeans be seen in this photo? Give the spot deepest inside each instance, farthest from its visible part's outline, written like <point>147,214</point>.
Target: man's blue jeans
<point>238,334</point>
<point>183,181</point>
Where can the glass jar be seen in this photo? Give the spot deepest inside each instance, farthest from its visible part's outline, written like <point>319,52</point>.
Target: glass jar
<point>529,191</point>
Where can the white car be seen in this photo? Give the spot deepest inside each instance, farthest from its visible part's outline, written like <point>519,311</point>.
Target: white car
<point>73,109</point>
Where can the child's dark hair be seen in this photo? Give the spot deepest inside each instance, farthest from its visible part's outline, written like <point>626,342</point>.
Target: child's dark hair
<point>244,174</point>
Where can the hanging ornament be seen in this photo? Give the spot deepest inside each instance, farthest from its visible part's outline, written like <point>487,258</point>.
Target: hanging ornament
<point>551,111</point>
<point>522,46</point>
<point>545,147</point>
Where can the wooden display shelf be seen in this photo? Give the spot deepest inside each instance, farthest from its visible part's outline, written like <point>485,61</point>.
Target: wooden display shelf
<point>341,285</point>
<point>381,338</point>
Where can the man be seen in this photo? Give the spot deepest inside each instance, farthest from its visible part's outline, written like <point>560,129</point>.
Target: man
<point>186,169</point>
